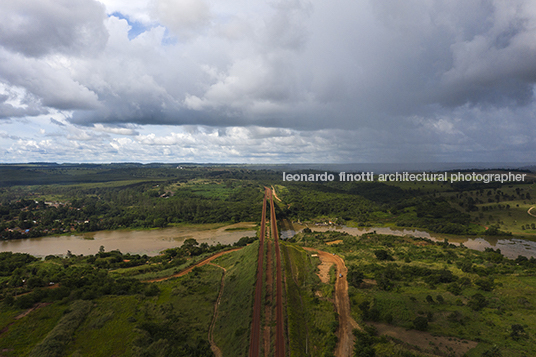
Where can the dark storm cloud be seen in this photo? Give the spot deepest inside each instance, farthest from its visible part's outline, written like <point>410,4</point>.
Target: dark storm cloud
<point>305,65</point>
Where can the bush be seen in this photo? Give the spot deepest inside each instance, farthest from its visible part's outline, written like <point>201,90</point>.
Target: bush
<point>382,254</point>
<point>355,276</point>
<point>152,290</point>
<point>518,332</point>
<point>477,302</point>
<point>420,323</point>
<point>486,284</point>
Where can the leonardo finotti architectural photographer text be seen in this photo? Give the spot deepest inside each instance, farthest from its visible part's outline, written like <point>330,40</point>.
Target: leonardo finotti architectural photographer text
<point>406,176</point>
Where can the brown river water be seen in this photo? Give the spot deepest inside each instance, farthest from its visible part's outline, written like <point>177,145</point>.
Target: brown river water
<point>150,242</point>
<point>510,247</point>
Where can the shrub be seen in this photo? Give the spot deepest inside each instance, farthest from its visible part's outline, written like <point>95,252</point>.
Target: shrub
<point>152,290</point>
<point>382,254</point>
<point>477,302</point>
<point>420,323</point>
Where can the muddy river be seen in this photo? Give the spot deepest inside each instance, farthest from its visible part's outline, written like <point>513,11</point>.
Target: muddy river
<point>149,242</point>
<point>510,247</point>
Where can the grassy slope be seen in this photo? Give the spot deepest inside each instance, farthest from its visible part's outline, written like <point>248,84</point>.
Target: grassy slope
<point>232,328</point>
<point>112,326</point>
<point>24,334</point>
<point>311,320</point>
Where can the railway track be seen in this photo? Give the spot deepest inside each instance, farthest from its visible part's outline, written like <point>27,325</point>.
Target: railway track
<point>280,326</point>
<point>255,339</point>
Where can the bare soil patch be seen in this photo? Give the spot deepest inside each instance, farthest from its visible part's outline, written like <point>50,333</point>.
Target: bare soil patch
<point>425,341</point>
<point>368,283</point>
<point>237,226</point>
<point>334,242</point>
<point>323,271</point>
<point>274,194</point>
<point>342,304</point>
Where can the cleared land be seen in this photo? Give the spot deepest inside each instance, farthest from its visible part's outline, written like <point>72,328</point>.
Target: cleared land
<point>342,304</point>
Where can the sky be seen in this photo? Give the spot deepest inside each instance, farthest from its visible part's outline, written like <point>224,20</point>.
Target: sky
<point>275,81</point>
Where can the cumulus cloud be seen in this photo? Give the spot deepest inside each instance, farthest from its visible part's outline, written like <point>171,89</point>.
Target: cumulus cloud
<point>182,17</point>
<point>40,27</point>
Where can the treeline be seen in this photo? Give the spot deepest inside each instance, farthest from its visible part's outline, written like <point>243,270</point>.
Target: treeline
<point>433,213</point>
<point>308,201</point>
<point>68,174</point>
<point>133,206</point>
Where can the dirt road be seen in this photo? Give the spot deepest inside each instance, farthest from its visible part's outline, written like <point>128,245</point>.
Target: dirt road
<point>342,304</point>
<point>189,269</point>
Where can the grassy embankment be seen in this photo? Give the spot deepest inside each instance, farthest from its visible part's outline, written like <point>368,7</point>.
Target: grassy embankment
<point>312,321</point>
<point>232,328</point>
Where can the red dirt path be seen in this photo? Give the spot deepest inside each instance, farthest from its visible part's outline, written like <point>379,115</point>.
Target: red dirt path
<point>342,304</point>
<point>189,269</point>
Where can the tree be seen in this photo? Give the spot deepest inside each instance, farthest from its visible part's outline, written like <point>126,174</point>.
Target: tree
<point>355,276</point>
<point>477,302</point>
<point>159,222</point>
<point>382,254</point>
<point>420,323</point>
<point>486,284</point>
<point>190,246</point>
<point>518,332</point>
